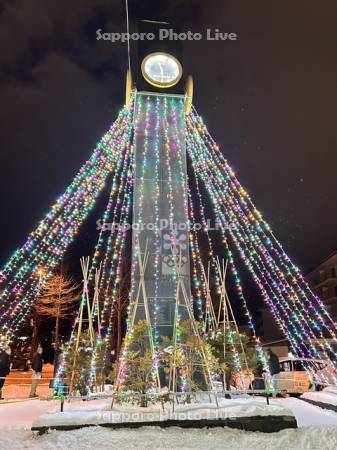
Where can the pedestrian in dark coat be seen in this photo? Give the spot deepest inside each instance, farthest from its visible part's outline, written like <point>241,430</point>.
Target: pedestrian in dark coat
<point>274,363</point>
<point>274,369</point>
<point>37,365</point>
<point>5,367</point>
<point>259,376</point>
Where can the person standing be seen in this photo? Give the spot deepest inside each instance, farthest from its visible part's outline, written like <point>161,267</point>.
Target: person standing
<point>259,376</point>
<point>274,368</point>
<point>5,367</point>
<point>37,364</point>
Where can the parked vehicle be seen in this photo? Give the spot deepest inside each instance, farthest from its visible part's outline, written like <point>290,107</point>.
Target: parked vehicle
<point>299,375</point>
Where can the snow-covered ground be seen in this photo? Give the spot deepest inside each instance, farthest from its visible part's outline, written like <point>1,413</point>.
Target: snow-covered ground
<point>318,430</point>
<point>328,395</point>
<point>99,411</point>
<point>172,438</point>
<point>309,415</point>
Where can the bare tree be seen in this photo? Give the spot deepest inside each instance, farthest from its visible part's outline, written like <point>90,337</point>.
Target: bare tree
<point>58,299</point>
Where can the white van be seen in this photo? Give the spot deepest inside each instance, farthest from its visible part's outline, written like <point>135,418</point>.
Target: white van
<point>299,375</point>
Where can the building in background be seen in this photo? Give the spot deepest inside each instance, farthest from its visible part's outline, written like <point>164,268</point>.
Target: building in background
<point>323,281</point>
<point>270,334</point>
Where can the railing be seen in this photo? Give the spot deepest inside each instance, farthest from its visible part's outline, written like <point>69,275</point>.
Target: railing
<point>62,393</point>
<point>169,398</point>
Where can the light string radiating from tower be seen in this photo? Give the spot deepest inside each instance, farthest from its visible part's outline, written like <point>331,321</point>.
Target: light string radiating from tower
<point>117,257</point>
<point>264,258</point>
<point>122,176</point>
<point>157,167</point>
<point>231,264</point>
<point>25,273</point>
<point>111,251</point>
<point>225,221</point>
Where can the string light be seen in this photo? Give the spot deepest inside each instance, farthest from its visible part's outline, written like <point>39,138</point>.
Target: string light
<point>144,154</point>
<point>261,255</point>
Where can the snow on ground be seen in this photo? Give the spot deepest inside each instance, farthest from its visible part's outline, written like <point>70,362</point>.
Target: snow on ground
<point>22,414</point>
<point>318,430</point>
<point>78,413</point>
<point>308,415</point>
<point>172,438</point>
<point>328,395</point>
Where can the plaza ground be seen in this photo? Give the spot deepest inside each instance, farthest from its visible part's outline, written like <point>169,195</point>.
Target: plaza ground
<point>317,430</point>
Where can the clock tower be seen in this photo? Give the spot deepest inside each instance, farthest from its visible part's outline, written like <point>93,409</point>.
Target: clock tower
<point>160,245</point>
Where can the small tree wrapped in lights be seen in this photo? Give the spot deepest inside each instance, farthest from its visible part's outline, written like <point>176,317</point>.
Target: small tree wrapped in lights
<point>77,364</point>
<point>185,359</point>
<point>101,363</point>
<point>137,375</point>
<point>236,359</point>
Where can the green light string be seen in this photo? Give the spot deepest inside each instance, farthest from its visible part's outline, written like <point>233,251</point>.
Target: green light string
<point>197,278</point>
<point>291,270</point>
<point>141,114</point>
<point>104,243</point>
<point>123,153</point>
<point>232,267</point>
<point>56,209</point>
<point>32,274</point>
<point>275,270</point>
<point>57,243</point>
<point>214,194</point>
<point>230,220</point>
<point>111,256</point>
<point>115,269</point>
<point>175,151</point>
<point>25,284</point>
<point>157,243</point>
<point>308,350</point>
<point>303,316</point>
<point>121,241</point>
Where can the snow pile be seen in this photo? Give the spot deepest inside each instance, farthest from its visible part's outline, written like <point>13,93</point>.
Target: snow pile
<point>318,430</point>
<point>308,415</point>
<point>148,438</point>
<point>21,414</point>
<point>332,389</point>
<point>328,396</point>
<point>99,412</point>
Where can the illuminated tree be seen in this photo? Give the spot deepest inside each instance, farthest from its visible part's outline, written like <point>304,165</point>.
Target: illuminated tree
<point>138,376</point>
<point>184,359</point>
<point>58,300</point>
<point>77,363</point>
<point>235,357</point>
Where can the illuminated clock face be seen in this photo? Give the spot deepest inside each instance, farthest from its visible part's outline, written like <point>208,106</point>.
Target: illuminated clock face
<point>161,69</point>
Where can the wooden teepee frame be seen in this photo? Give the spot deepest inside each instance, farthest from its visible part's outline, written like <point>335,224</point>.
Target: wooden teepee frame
<point>85,302</point>
<point>227,312</point>
<point>181,292</point>
<point>95,303</point>
<point>210,320</point>
<point>141,293</point>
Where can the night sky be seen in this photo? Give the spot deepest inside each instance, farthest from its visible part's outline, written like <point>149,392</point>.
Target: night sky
<point>269,99</point>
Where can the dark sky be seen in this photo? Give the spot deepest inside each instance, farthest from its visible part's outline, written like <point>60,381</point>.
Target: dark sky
<point>269,99</point>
